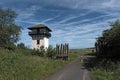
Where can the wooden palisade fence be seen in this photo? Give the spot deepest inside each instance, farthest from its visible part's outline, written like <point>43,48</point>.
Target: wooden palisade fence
<point>105,49</point>
<point>62,51</point>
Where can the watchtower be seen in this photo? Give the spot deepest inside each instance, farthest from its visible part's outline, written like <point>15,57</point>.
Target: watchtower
<point>40,36</point>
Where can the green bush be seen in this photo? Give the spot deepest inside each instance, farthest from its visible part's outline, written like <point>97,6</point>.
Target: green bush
<point>50,52</point>
<point>105,69</point>
<point>42,52</point>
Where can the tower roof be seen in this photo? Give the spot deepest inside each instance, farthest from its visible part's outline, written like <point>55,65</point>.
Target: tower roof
<point>39,26</point>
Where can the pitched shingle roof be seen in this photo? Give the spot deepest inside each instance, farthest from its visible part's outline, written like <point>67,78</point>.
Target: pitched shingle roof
<point>39,26</point>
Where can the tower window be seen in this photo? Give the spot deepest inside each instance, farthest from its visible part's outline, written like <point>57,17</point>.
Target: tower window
<point>38,30</point>
<point>38,41</point>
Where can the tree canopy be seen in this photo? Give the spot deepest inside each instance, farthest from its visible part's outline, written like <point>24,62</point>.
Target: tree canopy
<point>109,43</point>
<point>112,34</point>
<point>9,30</point>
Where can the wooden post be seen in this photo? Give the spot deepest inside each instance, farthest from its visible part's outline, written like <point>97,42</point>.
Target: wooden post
<point>62,51</point>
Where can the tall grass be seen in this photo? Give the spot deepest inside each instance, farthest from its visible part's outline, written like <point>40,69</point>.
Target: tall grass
<point>20,64</point>
<point>106,70</point>
<point>15,65</point>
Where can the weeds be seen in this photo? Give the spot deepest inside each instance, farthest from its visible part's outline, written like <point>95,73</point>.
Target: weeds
<point>104,69</point>
<point>16,65</point>
<point>21,65</point>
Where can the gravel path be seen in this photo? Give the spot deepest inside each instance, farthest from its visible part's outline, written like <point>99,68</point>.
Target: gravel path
<point>72,71</point>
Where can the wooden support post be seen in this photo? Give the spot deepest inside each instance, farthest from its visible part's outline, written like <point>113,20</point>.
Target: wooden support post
<point>62,51</point>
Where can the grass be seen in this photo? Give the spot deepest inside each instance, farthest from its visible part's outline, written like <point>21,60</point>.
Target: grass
<point>105,70</point>
<point>18,66</point>
<point>81,51</point>
<point>102,68</point>
<point>21,65</point>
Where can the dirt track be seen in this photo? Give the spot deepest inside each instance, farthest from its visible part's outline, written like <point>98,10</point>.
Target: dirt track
<point>72,71</point>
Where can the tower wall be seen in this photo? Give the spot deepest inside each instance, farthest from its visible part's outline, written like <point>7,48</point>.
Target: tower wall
<point>46,42</point>
<point>43,41</point>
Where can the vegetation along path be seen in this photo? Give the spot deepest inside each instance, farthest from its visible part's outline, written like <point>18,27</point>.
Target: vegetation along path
<point>71,71</point>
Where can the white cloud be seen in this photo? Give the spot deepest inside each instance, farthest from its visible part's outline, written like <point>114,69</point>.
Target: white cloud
<point>94,5</point>
<point>112,4</point>
<point>49,19</point>
<point>72,32</point>
<point>27,13</point>
<point>73,4</point>
<point>70,17</point>
<point>28,21</point>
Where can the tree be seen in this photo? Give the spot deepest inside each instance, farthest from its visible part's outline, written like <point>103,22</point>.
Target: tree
<point>112,34</point>
<point>108,45</point>
<point>9,31</point>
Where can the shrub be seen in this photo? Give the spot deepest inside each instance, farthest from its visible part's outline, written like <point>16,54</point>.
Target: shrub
<point>42,52</point>
<point>35,52</point>
<point>50,52</point>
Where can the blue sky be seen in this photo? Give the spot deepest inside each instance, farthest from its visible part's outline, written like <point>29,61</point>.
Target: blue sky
<point>77,22</point>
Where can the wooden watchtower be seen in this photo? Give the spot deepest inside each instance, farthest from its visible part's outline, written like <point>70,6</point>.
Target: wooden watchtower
<point>40,36</point>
